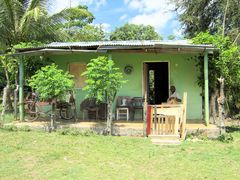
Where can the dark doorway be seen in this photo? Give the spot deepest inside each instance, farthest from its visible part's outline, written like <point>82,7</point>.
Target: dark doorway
<point>156,82</point>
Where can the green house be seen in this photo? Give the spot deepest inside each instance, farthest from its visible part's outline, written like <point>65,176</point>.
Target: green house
<point>150,67</point>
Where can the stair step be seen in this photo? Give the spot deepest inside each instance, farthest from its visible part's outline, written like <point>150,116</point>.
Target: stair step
<point>164,137</point>
<point>165,142</point>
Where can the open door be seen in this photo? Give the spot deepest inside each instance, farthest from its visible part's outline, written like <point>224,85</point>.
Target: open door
<point>156,82</point>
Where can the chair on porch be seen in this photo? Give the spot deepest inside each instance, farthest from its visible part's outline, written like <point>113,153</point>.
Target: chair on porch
<point>137,104</point>
<point>123,107</point>
<point>90,106</point>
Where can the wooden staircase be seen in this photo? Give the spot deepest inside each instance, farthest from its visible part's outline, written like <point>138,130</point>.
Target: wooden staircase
<point>168,123</point>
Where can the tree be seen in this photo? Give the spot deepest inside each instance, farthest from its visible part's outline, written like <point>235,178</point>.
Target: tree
<point>75,17</point>
<point>224,63</point>
<point>216,16</point>
<point>171,37</point>
<point>88,33</point>
<point>51,84</point>
<point>25,20</point>
<point>76,24</point>
<point>135,32</point>
<point>103,82</point>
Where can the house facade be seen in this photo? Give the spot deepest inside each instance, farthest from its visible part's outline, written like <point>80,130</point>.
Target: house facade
<point>150,67</point>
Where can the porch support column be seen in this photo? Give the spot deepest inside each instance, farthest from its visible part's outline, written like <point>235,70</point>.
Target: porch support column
<point>206,88</point>
<point>21,92</point>
<point>109,56</point>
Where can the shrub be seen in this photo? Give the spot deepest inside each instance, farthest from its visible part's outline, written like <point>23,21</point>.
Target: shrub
<point>10,127</point>
<point>25,128</point>
<point>225,138</point>
<point>76,132</point>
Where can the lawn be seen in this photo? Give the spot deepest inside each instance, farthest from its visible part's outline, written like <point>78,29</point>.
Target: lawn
<point>38,155</point>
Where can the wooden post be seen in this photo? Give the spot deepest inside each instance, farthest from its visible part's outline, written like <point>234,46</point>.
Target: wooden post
<point>206,87</point>
<point>21,91</point>
<point>145,110</point>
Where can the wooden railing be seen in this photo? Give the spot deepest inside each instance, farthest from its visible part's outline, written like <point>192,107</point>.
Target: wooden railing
<point>168,119</point>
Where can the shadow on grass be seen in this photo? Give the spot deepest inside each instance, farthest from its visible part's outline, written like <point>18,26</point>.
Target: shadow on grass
<point>231,129</point>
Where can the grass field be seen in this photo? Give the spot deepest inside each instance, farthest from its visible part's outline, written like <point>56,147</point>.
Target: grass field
<point>37,155</point>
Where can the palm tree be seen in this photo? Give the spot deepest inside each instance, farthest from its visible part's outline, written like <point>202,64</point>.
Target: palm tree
<point>25,20</point>
<point>22,21</point>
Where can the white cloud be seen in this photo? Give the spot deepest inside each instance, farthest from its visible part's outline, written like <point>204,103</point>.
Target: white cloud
<point>156,19</point>
<point>124,16</point>
<point>105,27</point>
<point>156,13</point>
<point>58,5</point>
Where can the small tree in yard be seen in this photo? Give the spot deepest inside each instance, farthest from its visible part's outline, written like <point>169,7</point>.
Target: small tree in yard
<point>103,82</point>
<point>51,83</point>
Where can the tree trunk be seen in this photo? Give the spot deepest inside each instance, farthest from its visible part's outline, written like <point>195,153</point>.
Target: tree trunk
<point>221,101</point>
<point>4,102</point>
<point>53,115</point>
<point>7,102</point>
<point>109,118</point>
<point>16,95</point>
<point>213,106</point>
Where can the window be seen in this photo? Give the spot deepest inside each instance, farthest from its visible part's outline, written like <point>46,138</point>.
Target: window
<point>77,69</point>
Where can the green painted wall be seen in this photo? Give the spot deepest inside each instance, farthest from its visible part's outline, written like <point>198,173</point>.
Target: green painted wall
<point>183,75</point>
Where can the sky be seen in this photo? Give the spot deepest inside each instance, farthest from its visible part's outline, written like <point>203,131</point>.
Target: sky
<point>115,13</point>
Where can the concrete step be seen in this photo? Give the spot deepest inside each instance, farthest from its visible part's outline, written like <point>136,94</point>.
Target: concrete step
<point>164,137</point>
<point>165,142</point>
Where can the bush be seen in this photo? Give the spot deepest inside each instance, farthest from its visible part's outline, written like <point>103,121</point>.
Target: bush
<point>225,138</point>
<point>10,127</point>
<point>76,132</point>
<point>25,128</point>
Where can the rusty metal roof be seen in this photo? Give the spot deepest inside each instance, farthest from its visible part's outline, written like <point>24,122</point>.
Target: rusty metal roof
<point>103,46</point>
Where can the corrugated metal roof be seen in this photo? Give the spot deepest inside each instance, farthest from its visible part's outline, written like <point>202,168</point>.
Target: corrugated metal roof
<point>104,46</point>
<point>125,43</point>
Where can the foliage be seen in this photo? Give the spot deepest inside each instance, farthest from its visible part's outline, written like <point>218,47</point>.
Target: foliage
<point>25,20</point>
<point>171,37</point>
<point>103,79</point>
<point>51,82</point>
<point>201,15</point>
<point>88,33</point>
<point>78,157</point>
<point>75,24</point>
<point>10,67</point>
<point>10,127</point>
<point>226,138</point>
<point>135,32</point>
<point>75,17</point>
<point>225,62</point>
<point>76,132</point>
<point>30,44</point>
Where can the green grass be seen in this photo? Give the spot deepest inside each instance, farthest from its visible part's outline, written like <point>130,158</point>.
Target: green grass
<point>36,155</point>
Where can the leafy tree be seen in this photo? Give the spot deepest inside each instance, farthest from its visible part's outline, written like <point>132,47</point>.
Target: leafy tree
<point>214,16</point>
<point>103,82</point>
<point>223,63</point>
<point>135,32</point>
<point>76,24</point>
<point>51,82</point>
<point>76,17</point>
<point>171,37</point>
<point>88,33</point>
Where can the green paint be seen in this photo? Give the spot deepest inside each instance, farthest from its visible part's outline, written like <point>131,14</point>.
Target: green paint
<point>21,92</point>
<point>183,74</point>
<point>206,93</point>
